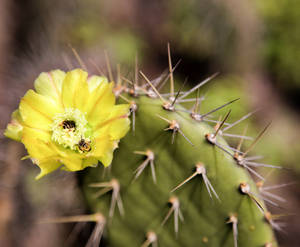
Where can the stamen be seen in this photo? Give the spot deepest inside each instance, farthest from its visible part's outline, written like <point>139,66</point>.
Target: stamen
<point>69,130</point>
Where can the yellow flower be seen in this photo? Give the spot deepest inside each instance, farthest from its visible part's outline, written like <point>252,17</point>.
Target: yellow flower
<point>70,121</point>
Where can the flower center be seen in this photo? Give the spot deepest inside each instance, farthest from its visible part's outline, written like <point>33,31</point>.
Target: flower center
<point>70,129</point>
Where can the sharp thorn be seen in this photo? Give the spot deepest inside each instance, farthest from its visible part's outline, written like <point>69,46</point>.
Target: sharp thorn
<point>178,92</point>
<point>110,76</point>
<point>238,121</point>
<point>256,140</point>
<point>170,71</point>
<point>220,107</point>
<point>82,65</point>
<point>198,86</point>
<point>222,123</point>
<point>154,89</point>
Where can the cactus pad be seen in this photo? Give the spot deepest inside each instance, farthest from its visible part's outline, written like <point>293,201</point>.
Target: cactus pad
<point>174,181</point>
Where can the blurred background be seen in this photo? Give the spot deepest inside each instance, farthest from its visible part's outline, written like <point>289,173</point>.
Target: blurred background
<point>253,44</point>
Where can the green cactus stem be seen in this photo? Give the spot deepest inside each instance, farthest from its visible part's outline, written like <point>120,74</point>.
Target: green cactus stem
<point>175,181</point>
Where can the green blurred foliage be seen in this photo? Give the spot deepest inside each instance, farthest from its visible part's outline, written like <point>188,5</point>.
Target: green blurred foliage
<point>93,27</point>
<point>203,28</point>
<point>281,40</point>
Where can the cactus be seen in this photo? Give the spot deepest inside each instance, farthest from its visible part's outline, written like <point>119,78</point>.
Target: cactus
<point>174,180</point>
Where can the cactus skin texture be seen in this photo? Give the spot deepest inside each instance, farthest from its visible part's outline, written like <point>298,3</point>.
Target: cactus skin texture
<point>237,218</point>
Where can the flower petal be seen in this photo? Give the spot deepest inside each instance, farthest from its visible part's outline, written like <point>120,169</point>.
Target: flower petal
<point>45,153</point>
<point>94,81</point>
<point>82,97</point>
<point>101,145</point>
<point>91,161</point>
<point>50,84</point>
<point>37,110</point>
<point>37,149</point>
<point>117,122</point>
<point>40,134</point>
<point>100,103</point>
<point>42,154</point>
<point>72,163</point>
<point>106,159</point>
<point>47,167</point>
<point>121,125</point>
<point>14,128</point>
<point>71,85</point>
